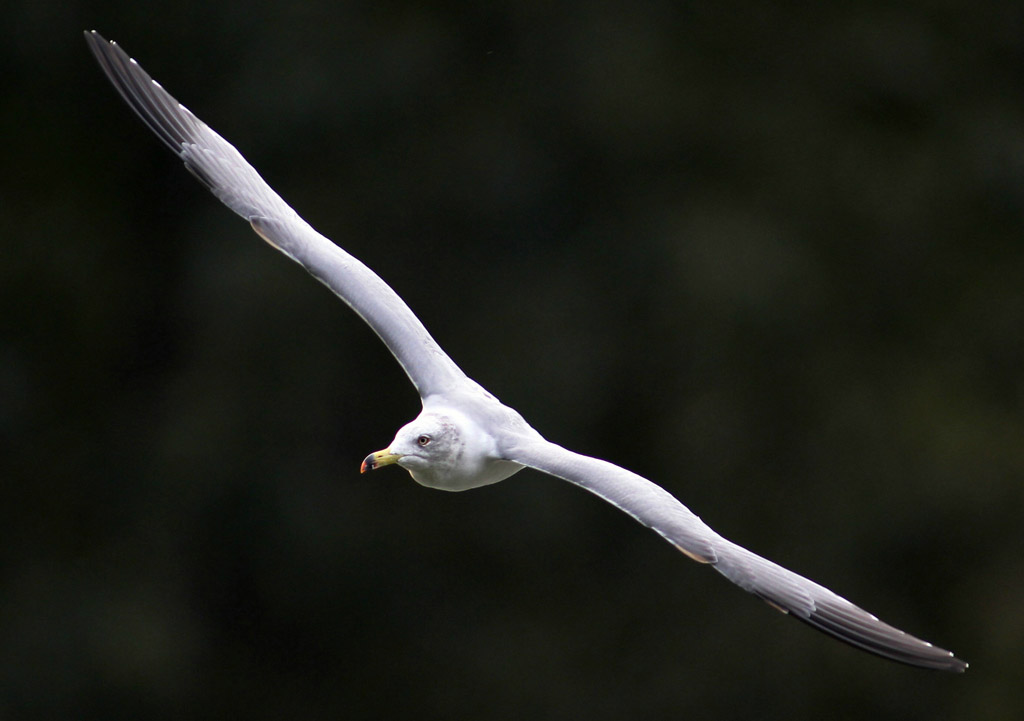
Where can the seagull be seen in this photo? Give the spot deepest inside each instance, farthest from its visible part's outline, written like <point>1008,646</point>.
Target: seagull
<point>465,437</point>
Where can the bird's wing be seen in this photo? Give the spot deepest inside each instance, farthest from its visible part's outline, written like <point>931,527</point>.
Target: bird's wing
<point>223,170</point>
<point>784,590</point>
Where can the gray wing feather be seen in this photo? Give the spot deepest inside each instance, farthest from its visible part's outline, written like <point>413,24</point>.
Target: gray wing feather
<point>223,170</point>
<point>784,590</point>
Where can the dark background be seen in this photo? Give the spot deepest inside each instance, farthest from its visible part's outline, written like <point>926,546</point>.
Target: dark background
<point>768,254</point>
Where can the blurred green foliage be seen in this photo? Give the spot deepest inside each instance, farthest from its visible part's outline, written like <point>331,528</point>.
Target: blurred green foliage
<point>769,255</point>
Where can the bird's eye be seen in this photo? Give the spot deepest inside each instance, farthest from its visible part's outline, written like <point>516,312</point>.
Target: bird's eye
<point>423,440</point>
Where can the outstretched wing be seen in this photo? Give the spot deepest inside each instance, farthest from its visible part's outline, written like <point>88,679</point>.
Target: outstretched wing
<point>223,170</point>
<point>786,591</point>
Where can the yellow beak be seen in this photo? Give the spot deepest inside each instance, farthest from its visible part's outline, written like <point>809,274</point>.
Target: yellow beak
<point>378,459</point>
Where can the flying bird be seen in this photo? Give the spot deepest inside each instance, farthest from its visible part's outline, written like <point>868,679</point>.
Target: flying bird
<point>465,437</point>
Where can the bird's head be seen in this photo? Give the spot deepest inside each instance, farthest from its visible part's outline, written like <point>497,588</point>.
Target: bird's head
<point>429,448</point>
<point>443,450</point>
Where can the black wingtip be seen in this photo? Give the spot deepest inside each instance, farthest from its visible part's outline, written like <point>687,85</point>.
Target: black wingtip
<point>94,37</point>
<point>884,640</point>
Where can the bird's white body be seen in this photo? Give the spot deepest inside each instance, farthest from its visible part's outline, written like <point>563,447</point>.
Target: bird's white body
<point>459,453</point>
